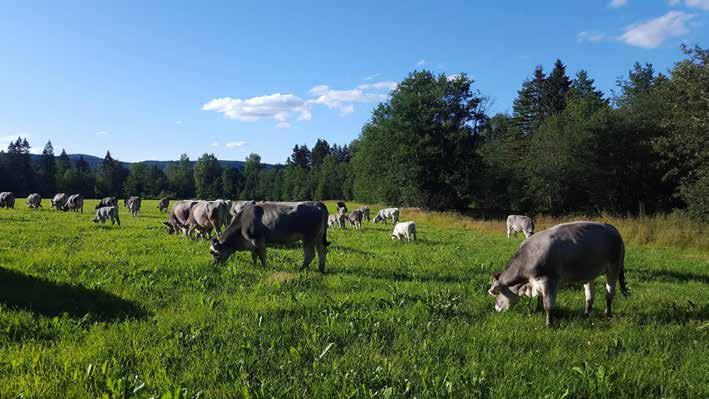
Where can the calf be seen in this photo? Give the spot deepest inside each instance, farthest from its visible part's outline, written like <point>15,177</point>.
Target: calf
<point>275,223</point>
<point>355,219</point>
<point>404,230</point>
<point>565,254</point>
<point>520,223</point>
<point>387,213</point>
<point>34,201</point>
<point>107,212</point>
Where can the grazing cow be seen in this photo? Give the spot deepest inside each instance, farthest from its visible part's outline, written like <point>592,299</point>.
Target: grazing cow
<point>341,205</point>
<point>59,201</point>
<point>365,212</point>
<point>75,203</point>
<point>107,212</point>
<point>34,201</point>
<point>275,222</point>
<point>177,218</point>
<point>237,206</point>
<point>387,213</point>
<point>520,223</point>
<point>206,216</point>
<point>565,254</point>
<point>108,201</point>
<point>133,205</point>
<point>338,219</point>
<point>7,200</point>
<point>355,219</point>
<point>404,230</point>
<point>163,204</point>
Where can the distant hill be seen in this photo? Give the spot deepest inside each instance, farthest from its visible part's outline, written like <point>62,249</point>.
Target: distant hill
<point>95,162</point>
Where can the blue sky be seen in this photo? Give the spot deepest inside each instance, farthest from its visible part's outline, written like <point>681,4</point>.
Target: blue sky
<point>152,80</point>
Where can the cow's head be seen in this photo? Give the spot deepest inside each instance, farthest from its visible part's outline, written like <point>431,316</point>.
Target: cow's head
<point>378,219</point>
<point>504,296</point>
<point>221,250</point>
<point>171,228</point>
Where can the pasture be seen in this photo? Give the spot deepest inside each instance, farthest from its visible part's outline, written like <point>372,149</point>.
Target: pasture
<point>104,311</point>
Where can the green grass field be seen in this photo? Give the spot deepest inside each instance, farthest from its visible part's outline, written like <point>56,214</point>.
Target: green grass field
<point>103,311</point>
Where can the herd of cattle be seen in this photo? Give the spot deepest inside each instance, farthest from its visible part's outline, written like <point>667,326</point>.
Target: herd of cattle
<point>565,254</point>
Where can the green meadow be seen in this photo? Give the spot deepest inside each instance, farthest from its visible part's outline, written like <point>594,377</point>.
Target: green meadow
<point>92,310</point>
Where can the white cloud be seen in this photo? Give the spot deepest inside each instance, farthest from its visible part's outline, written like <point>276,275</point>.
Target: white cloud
<point>421,63</point>
<point>384,85</point>
<point>372,77</point>
<point>618,3</point>
<point>102,133</point>
<point>652,33</point>
<point>590,37</point>
<point>700,4</point>
<point>277,106</point>
<point>235,144</point>
<point>283,125</point>
<point>343,100</point>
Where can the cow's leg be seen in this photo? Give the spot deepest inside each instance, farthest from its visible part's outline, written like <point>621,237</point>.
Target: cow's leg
<point>322,255</point>
<point>508,232</point>
<point>610,293</point>
<point>588,290</point>
<point>549,299</point>
<point>308,254</point>
<point>260,249</point>
<point>254,258</point>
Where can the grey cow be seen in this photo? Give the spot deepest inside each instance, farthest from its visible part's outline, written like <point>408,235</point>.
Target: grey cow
<point>108,201</point>
<point>163,204</point>
<point>520,223</point>
<point>206,216</point>
<point>75,203</point>
<point>133,205</point>
<point>355,219</point>
<point>59,200</point>
<point>7,200</point>
<point>275,223</point>
<point>365,212</point>
<point>387,213</point>
<point>570,253</point>
<point>106,213</point>
<point>34,201</point>
<point>178,216</point>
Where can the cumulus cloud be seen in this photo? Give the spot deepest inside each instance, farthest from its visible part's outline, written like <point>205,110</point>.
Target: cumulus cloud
<point>385,85</point>
<point>590,37</point>
<point>652,33</point>
<point>618,3</point>
<point>277,106</point>
<point>700,4</point>
<point>372,77</point>
<point>343,100</point>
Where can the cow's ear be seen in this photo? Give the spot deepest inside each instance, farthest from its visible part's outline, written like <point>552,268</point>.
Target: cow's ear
<point>496,276</point>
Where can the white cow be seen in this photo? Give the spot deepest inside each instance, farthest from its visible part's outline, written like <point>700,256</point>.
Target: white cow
<point>404,230</point>
<point>519,223</point>
<point>387,213</point>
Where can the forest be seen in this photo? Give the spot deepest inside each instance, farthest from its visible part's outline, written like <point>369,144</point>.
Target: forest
<point>565,148</point>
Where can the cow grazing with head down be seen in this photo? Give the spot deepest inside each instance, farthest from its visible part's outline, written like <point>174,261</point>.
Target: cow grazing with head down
<point>7,200</point>
<point>387,213</point>
<point>355,219</point>
<point>133,205</point>
<point>34,201</point>
<point>365,212</point>
<point>520,223</point>
<point>206,216</point>
<point>275,223</point>
<point>108,201</point>
<point>59,201</point>
<point>565,254</point>
<point>163,204</point>
<point>403,230</point>
<point>178,216</point>
<point>75,203</point>
<point>106,213</point>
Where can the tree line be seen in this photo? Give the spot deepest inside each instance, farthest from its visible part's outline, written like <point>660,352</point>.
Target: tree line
<point>565,147</point>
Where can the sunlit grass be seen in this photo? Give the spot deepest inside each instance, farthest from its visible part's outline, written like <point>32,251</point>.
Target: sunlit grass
<point>88,310</point>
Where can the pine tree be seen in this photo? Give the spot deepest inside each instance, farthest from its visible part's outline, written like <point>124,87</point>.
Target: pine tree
<point>528,108</point>
<point>47,171</point>
<point>556,88</point>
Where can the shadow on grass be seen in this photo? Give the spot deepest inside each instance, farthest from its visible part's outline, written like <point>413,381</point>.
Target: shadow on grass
<point>666,276</point>
<point>45,297</point>
<point>399,275</point>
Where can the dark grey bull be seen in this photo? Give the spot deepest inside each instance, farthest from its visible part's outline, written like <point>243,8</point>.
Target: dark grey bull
<point>570,253</point>
<point>177,218</point>
<point>275,223</point>
<point>163,204</point>
<point>108,201</point>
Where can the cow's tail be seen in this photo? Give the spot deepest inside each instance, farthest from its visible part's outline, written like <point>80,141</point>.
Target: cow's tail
<point>324,238</point>
<point>621,276</point>
<point>324,223</point>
